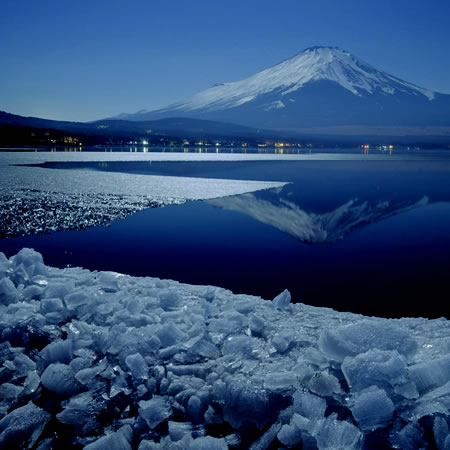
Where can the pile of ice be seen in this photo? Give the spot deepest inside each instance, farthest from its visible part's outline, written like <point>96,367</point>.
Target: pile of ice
<point>109,361</point>
<point>28,211</point>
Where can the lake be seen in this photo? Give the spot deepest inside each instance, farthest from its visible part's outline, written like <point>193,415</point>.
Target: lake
<point>368,236</point>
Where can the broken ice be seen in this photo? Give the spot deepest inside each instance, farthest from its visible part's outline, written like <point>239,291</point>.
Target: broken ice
<point>106,361</point>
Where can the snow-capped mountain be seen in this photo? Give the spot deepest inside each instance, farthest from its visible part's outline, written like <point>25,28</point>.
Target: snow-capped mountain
<point>322,63</point>
<point>320,86</point>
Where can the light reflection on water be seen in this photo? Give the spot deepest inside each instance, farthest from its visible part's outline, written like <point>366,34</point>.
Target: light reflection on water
<point>380,150</point>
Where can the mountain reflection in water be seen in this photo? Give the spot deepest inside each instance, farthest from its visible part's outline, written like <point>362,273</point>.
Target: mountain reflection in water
<point>281,212</point>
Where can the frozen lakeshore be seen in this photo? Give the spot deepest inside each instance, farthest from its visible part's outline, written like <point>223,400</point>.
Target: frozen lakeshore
<point>39,200</point>
<point>110,361</point>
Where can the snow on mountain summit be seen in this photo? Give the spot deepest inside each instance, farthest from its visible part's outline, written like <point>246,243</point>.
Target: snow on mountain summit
<point>319,87</point>
<point>313,64</point>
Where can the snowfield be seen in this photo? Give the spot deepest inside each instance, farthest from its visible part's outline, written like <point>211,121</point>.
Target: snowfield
<point>110,361</point>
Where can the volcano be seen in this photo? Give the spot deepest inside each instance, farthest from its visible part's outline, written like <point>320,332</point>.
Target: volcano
<point>319,87</point>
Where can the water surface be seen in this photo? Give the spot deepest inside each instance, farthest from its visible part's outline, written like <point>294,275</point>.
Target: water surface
<point>366,236</point>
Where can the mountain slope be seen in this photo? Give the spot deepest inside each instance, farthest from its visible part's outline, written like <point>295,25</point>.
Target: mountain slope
<point>322,86</point>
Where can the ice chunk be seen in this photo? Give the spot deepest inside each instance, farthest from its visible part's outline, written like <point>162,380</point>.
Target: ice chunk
<point>434,402</point>
<point>384,369</point>
<point>155,411</point>
<point>149,445</point>
<point>239,320</point>
<point>309,405</point>
<point>108,281</point>
<point>137,365</point>
<point>359,337</point>
<point>169,299</point>
<point>409,437</point>
<point>33,292</point>
<point>282,341</point>
<point>27,257</point>
<point>289,435</point>
<point>407,390</point>
<point>76,299</point>
<point>280,381</point>
<point>177,430</point>
<point>244,346</point>
<point>233,440</point>
<point>208,443</point>
<point>77,410</point>
<point>134,306</point>
<point>59,378</point>
<point>337,434</point>
<point>5,264</point>
<point>283,300</point>
<point>169,334</point>
<point>440,393</point>
<point>243,401</point>
<point>202,347</point>
<point>23,364</point>
<point>80,363</point>
<point>58,351</point>
<point>31,383</point>
<point>307,426</point>
<point>87,375</point>
<point>267,438</point>
<point>372,409</point>
<point>195,409</point>
<point>119,384</point>
<point>431,374</point>
<point>50,305</point>
<point>8,292</point>
<point>244,306</point>
<point>256,323</point>
<point>222,327</point>
<point>22,427</point>
<point>324,383</point>
<point>303,371</point>
<point>27,264</point>
<point>120,440</point>
<point>58,290</point>
<point>441,432</point>
<point>210,293</point>
<point>9,391</point>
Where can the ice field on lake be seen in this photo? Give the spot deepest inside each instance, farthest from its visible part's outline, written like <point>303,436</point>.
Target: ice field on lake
<point>110,361</point>
<point>35,200</point>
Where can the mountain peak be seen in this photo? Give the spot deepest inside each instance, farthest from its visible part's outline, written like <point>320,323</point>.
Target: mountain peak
<point>323,48</point>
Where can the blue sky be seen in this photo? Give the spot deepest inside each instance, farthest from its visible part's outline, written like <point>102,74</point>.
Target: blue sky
<point>86,60</point>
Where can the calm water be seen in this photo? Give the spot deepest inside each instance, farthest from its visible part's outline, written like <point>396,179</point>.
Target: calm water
<point>366,236</point>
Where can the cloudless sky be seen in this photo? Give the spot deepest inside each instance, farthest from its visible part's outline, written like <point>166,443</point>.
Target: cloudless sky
<point>90,59</point>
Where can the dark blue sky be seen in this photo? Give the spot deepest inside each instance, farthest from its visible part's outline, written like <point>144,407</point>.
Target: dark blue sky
<point>89,59</point>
